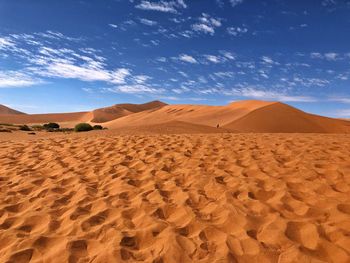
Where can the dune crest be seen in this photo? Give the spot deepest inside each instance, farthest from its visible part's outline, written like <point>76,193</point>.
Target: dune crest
<point>8,111</point>
<point>119,110</point>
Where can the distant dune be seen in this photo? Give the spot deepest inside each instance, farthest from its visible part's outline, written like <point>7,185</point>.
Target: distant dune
<point>120,110</point>
<point>43,118</point>
<point>96,116</point>
<point>158,117</point>
<point>9,111</point>
<point>279,117</point>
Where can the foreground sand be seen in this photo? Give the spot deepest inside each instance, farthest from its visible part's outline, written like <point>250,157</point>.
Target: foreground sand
<point>176,198</point>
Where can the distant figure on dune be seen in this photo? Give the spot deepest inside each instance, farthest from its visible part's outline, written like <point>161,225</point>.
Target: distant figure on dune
<point>217,126</point>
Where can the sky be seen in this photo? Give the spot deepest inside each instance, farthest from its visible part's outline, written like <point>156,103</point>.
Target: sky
<point>78,55</point>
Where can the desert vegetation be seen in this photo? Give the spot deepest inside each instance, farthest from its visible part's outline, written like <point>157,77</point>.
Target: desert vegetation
<point>83,127</point>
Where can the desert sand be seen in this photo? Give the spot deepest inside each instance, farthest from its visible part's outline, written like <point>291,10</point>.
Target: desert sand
<point>165,184</point>
<point>107,197</point>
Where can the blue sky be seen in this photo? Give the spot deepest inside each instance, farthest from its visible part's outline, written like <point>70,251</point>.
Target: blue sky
<point>75,55</point>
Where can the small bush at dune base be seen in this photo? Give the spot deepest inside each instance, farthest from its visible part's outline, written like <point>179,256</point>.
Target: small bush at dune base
<point>24,128</point>
<point>81,127</point>
<point>97,127</point>
<point>51,125</point>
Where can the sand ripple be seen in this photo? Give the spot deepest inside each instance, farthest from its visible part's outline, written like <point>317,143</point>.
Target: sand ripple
<point>176,198</point>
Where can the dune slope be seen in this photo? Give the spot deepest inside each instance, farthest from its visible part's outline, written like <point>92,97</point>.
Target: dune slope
<point>194,114</point>
<point>119,110</point>
<point>9,111</point>
<point>279,117</point>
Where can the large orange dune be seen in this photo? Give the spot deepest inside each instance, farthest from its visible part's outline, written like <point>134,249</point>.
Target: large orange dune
<point>243,116</point>
<point>279,117</point>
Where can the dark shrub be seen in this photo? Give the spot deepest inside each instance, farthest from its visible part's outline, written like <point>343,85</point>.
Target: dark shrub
<point>97,127</point>
<point>51,125</point>
<point>81,127</point>
<point>24,128</point>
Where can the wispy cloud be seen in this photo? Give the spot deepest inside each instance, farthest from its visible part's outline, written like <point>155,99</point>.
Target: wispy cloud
<point>236,31</point>
<point>236,2</point>
<point>253,92</point>
<point>15,79</point>
<point>135,89</point>
<point>206,24</point>
<point>340,99</point>
<point>162,6</point>
<point>187,58</point>
<point>344,113</point>
<point>330,56</point>
<point>148,22</point>
<point>113,25</point>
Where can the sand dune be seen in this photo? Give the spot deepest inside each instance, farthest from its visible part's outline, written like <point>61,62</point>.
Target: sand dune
<point>279,117</point>
<point>9,111</point>
<point>96,116</point>
<point>44,118</point>
<point>120,110</point>
<point>195,114</point>
<point>176,198</point>
<point>243,116</point>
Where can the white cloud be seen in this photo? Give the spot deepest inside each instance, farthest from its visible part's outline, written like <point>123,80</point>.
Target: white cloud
<point>331,56</point>
<point>329,2</point>
<point>113,25</point>
<point>148,22</point>
<point>345,113</point>
<point>206,24</point>
<point>118,76</point>
<point>162,6</point>
<point>236,31</point>
<point>16,79</point>
<point>228,55</point>
<point>141,79</point>
<point>187,58</point>
<point>236,2</point>
<point>267,60</point>
<point>253,92</point>
<point>6,43</point>
<point>213,59</point>
<point>203,28</point>
<point>135,89</point>
<point>341,100</point>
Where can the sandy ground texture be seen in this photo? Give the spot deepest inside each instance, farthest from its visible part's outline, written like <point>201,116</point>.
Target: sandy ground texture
<point>176,198</point>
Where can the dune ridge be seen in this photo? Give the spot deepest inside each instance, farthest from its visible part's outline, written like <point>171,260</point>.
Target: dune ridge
<point>119,110</point>
<point>9,111</point>
<point>176,198</point>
